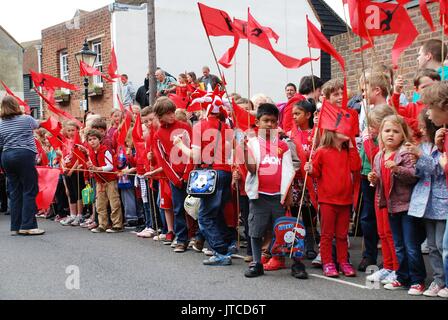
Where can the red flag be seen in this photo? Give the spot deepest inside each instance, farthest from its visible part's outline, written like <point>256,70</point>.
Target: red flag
<point>257,36</point>
<point>335,119</point>
<point>139,142</point>
<point>123,130</point>
<point>87,71</point>
<point>241,28</point>
<point>19,101</point>
<point>288,122</point>
<point>216,22</point>
<point>50,96</point>
<point>48,181</point>
<point>318,41</point>
<point>373,19</point>
<point>52,125</point>
<point>49,82</point>
<point>180,102</point>
<point>113,65</point>
<point>226,59</point>
<point>243,119</point>
<point>58,111</point>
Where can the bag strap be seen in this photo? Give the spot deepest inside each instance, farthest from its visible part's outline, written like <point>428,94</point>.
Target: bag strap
<point>216,145</point>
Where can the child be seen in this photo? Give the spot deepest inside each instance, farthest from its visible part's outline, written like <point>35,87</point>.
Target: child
<point>430,200</point>
<point>436,98</point>
<point>181,87</point>
<point>368,152</point>
<point>270,175</point>
<point>394,177</point>
<point>73,159</point>
<point>176,168</point>
<point>106,184</point>
<point>333,165</point>
<point>303,116</point>
<point>101,126</point>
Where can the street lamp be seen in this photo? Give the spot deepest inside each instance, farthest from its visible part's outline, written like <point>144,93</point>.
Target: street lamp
<point>88,57</point>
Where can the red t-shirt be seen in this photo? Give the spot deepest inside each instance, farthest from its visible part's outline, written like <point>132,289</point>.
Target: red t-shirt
<point>204,137</point>
<point>182,91</point>
<point>270,170</point>
<point>386,176</point>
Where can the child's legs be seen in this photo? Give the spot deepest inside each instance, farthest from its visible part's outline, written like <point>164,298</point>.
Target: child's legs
<point>434,235</point>
<point>115,205</point>
<point>101,205</point>
<point>342,226</point>
<point>328,221</point>
<point>368,221</point>
<point>445,253</point>
<point>244,207</point>
<point>396,225</point>
<point>412,233</point>
<point>390,261</point>
<point>129,204</point>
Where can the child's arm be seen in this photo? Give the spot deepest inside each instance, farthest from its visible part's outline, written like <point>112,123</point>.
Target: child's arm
<point>406,171</point>
<point>154,172</point>
<point>354,158</point>
<point>249,160</point>
<point>314,168</point>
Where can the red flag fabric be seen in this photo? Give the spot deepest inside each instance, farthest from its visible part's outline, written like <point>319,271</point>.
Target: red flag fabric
<point>56,141</point>
<point>120,104</point>
<point>123,130</point>
<point>87,71</point>
<point>318,41</point>
<point>241,28</point>
<point>52,125</point>
<point>48,181</point>
<point>373,19</point>
<point>216,22</point>
<point>50,96</point>
<point>243,119</point>
<point>257,36</point>
<point>335,119</point>
<point>288,122</point>
<point>179,101</point>
<point>19,101</point>
<point>49,82</point>
<point>139,142</point>
<point>426,14</point>
<point>58,111</point>
<point>113,65</point>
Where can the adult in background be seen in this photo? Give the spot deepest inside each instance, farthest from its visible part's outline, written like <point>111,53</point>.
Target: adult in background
<point>18,159</point>
<point>127,91</point>
<point>165,84</point>
<point>210,81</point>
<point>290,91</point>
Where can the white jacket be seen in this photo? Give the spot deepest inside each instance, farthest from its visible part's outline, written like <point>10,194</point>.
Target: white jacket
<point>288,172</point>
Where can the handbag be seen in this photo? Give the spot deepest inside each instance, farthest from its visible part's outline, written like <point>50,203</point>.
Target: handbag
<point>203,182</point>
<point>88,195</point>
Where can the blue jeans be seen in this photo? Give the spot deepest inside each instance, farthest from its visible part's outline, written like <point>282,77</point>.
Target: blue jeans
<point>19,165</point>
<point>445,253</point>
<point>407,232</point>
<point>211,215</point>
<point>180,222</point>
<point>368,221</point>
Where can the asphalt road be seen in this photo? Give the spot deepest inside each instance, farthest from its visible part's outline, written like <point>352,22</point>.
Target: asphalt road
<point>121,266</point>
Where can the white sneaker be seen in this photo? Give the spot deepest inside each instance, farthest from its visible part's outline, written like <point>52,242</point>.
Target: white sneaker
<point>390,278</point>
<point>68,221</point>
<point>443,293</point>
<point>160,237</point>
<point>416,290</point>
<point>317,263</point>
<point>433,290</point>
<point>378,275</point>
<point>174,244</point>
<point>147,233</point>
<point>76,221</point>
<point>424,247</point>
<point>207,252</point>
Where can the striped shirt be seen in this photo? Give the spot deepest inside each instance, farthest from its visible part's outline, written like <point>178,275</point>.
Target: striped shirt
<point>17,133</point>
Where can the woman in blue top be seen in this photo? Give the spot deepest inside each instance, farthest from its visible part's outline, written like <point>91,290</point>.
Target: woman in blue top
<point>18,161</point>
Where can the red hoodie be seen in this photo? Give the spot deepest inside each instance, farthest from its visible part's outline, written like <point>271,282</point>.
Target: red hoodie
<point>175,164</point>
<point>333,170</point>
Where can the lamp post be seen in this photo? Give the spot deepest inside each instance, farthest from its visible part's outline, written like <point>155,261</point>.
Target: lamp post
<point>88,57</point>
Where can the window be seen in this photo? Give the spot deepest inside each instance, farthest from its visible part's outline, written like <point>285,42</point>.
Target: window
<point>96,46</point>
<point>63,64</point>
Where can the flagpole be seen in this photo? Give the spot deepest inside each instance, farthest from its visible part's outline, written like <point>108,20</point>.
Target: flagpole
<point>234,77</point>
<point>248,57</point>
<point>316,130</point>
<point>443,47</point>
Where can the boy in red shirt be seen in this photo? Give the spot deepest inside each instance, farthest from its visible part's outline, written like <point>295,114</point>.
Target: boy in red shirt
<point>106,184</point>
<point>270,175</point>
<point>174,163</point>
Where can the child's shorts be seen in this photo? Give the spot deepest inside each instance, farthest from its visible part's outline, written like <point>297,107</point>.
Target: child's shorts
<point>166,200</point>
<point>262,214</point>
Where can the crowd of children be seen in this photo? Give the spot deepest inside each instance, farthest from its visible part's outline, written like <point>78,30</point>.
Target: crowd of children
<point>391,158</point>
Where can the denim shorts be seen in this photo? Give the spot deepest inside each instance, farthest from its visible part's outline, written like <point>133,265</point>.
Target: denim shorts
<point>262,214</point>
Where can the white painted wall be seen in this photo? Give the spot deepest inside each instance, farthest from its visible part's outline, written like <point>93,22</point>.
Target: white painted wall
<point>182,44</point>
<point>130,37</point>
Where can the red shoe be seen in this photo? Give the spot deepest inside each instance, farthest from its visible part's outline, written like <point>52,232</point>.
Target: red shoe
<point>276,263</point>
<point>265,260</point>
<point>330,270</point>
<point>347,270</point>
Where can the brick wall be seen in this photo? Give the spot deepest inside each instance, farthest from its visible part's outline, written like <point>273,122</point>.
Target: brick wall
<point>67,36</point>
<point>346,43</point>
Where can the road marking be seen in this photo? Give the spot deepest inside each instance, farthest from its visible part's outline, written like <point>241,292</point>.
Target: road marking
<point>338,280</point>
